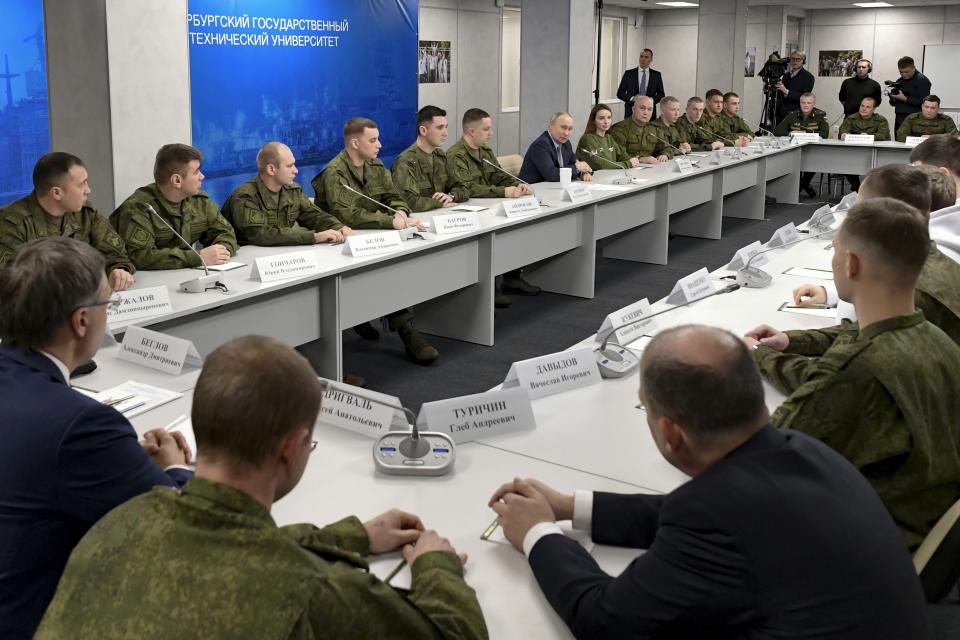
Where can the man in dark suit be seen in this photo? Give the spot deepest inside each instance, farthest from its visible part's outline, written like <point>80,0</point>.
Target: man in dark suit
<point>642,81</point>
<point>66,459</point>
<point>776,535</point>
<point>794,83</point>
<point>552,151</point>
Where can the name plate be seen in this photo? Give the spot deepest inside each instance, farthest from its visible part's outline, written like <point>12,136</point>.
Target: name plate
<point>858,138</point>
<point>632,316</point>
<point>743,256</point>
<point>715,157</point>
<point>913,141</point>
<point>521,207</point>
<point>158,351</point>
<point>480,415</point>
<point>784,235</point>
<point>692,287</point>
<point>284,265</point>
<point>359,410</point>
<point>140,303</point>
<point>822,217</point>
<point>554,373</point>
<point>577,192</point>
<point>455,223</point>
<point>682,166</point>
<point>800,136</point>
<point>361,245</point>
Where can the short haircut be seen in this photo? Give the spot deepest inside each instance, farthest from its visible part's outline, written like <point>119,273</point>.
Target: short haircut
<point>558,114</point>
<point>932,98</point>
<point>637,98</point>
<point>870,98</point>
<point>942,150</point>
<point>354,127</point>
<point>708,400</point>
<point>728,95</point>
<point>901,182</point>
<point>647,50</point>
<point>51,169</point>
<point>695,100</point>
<point>251,393</point>
<point>45,282</point>
<point>426,115</point>
<point>473,116</point>
<point>943,188</point>
<point>713,92</point>
<point>893,234</point>
<point>797,52</point>
<point>269,154</point>
<point>591,119</point>
<point>173,159</point>
<point>668,99</point>
<point>808,94</point>
<point>904,62</point>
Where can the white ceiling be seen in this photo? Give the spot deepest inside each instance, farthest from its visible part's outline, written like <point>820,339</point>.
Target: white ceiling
<point>805,4</point>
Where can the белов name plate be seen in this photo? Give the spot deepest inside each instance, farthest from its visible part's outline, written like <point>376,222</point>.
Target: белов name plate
<point>361,245</point>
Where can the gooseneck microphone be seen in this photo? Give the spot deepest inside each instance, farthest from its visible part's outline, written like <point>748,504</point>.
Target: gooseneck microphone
<point>201,283</point>
<point>499,168</point>
<point>757,278</point>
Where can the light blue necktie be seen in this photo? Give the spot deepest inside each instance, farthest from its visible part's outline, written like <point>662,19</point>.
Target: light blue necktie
<point>643,82</point>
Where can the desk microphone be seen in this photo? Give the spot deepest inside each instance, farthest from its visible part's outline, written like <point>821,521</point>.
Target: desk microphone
<point>201,283</point>
<point>620,361</point>
<point>714,134</point>
<point>760,127</point>
<point>757,278</point>
<point>499,168</point>
<point>626,178</point>
<point>695,163</point>
<point>406,235</point>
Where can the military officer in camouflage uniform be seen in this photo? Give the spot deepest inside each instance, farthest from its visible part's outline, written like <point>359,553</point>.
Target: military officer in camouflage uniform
<point>638,136</point>
<point>58,207</point>
<point>271,208</point>
<point>882,392</point>
<point>692,130</point>
<point>712,109</point>
<point>669,131</point>
<point>865,121</point>
<point>356,170</point>
<point>473,164</point>
<point>808,119</point>
<point>420,171</point>
<point>176,196</point>
<point>926,123</point>
<point>729,124</point>
<point>210,562</point>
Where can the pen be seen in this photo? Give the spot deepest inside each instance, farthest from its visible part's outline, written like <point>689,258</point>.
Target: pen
<point>490,529</point>
<point>132,407</point>
<point>112,402</point>
<point>395,571</point>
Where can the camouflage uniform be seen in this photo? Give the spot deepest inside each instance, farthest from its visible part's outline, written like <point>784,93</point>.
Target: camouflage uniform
<point>152,245</point>
<point>916,125</point>
<point>884,397</point>
<point>25,220</point>
<point>639,140</point>
<point>592,145</point>
<point>815,122</point>
<point>731,126</point>
<point>264,218</point>
<point>211,563</point>
<point>467,166</point>
<point>669,133</point>
<point>372,179</point>
<point>418,176</point>
<point>695,136</point>
<point>876,125</point>
<point>937,294</point>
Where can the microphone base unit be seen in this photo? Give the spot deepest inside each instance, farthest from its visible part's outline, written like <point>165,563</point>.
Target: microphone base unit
<point>615,361</point>
<point>399,453</point>
<point>201,284</point>
<point>622,180</point>
<point>754,278</point>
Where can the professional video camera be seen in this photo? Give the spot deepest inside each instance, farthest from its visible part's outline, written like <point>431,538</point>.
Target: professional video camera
<point>893,88</point>
<point>771,72</point>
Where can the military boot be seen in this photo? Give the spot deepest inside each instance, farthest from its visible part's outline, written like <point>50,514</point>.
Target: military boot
<point>417,348</point>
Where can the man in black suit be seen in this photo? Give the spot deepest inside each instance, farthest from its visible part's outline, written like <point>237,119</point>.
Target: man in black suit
<point>794,83</point>
<point>776,535</point>
<point>641,81</point>
<point>552,151</point>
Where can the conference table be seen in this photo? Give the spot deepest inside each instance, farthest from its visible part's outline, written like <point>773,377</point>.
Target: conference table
<point>594,437</point>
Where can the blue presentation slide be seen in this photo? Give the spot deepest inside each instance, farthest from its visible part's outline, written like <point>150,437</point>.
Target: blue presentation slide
<point>24,116</point>
<point>295,71</point>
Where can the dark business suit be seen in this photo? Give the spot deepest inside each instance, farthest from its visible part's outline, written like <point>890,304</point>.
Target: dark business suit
<point>782,539</point>
<point>796,86</point>
<point>65,461</point>
<point>630,87</point>
<point>541,164</point>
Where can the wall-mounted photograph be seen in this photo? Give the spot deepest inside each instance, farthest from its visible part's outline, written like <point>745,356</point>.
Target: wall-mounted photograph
<point>435,62</point>
<point>839,63</point>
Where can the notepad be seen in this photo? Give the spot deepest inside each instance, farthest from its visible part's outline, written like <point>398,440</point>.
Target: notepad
<point>787,307</point>
<point>138,397</point>
<point>809,272</point>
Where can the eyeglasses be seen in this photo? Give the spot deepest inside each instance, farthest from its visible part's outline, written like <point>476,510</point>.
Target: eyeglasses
<point>112,304</point>
<point>797,59</point>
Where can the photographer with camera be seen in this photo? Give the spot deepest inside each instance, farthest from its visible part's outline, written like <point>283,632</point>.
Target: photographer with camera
<point>907,93</point>
<point>794,83</point>
<point>854,89</point>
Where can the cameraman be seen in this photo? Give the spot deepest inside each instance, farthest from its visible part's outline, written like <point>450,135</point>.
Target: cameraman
<point>794,83</point>
<point>906,96</point>
<point>854,89</point>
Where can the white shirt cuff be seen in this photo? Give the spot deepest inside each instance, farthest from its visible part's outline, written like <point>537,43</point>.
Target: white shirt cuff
<point>582,510</point>
<point>832,296</point>
<point>185,467</point>
<point>538,531</point>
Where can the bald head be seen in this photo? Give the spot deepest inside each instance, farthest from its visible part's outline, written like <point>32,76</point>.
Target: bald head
<point>642,108</point>
<point>270,153</point>
<point>277,166</point>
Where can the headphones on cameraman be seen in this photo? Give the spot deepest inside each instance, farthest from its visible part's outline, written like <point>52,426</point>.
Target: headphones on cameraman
<point>869,64</point>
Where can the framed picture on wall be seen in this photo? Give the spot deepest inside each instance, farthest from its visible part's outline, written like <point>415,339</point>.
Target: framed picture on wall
<point>750,62</point>
<point>434,61</point>
<point>838,63</point>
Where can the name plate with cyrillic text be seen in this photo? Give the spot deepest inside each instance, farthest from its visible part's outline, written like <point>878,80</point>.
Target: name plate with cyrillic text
<point>913,141</point>
<point>743,256</point>
<point>632,316</point>
<point>158,350</point>
<point>799,136</point>
<point>361,245</point>
<point>554,373</point>
<point>577,192</point>
<point>456,223</point>
<point>822,217</point>
<point>140,303</point>
<point>521,207</point>
<point>692,287</point>
<point>784,235</point>
<point>480,415</point>
<point>285,265</point>
<point>359,410</point>
<point>682,166</point>
<point>858,138</point>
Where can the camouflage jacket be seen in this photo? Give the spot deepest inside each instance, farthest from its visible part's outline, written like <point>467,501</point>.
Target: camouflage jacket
<point>876,125</point>
<point>730,126</point>
<point>816,122</point>
<point>916,125</point>
<point>885,398</point>
<point>640,140</point>
<point>592,147</point>
<point>268,219</point>
<point>211,563</point>
<point>938,295</point>
<point>25,220</point>
<point>698,137</point>
<point>467,166</point>
<point>372,179</point>
<point>152,245</point>
<point>418,176</point>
